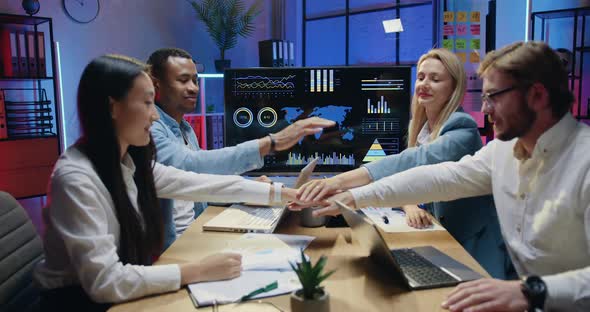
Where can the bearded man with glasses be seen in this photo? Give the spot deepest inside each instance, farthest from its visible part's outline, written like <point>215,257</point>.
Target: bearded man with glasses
<point>538,172</point>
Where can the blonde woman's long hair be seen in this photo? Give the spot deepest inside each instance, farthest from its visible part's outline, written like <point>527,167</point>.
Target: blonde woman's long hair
<point>455,68</point>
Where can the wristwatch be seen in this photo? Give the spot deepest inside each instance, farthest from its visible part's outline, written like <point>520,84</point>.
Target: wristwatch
<point>273,144</point>
<point>535,291</point>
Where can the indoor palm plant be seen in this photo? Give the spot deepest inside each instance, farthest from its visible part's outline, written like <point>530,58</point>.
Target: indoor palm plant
<point>312,296</point>
<point>225,21</point>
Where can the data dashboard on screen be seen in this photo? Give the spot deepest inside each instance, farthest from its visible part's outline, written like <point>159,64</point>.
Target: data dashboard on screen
<point>370,105</point>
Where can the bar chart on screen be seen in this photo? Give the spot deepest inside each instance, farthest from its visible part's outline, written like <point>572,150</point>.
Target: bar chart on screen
<point>296,159</point>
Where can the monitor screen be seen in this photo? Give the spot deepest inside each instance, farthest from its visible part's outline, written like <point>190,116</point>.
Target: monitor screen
<point>370,105</point>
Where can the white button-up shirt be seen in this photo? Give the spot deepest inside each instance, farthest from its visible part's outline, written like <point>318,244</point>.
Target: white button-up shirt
<point>543,203</point>
<point>82,230</point>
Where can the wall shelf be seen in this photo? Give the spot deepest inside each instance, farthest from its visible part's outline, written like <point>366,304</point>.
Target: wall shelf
<point>29,141</point>
<point>540,30</point>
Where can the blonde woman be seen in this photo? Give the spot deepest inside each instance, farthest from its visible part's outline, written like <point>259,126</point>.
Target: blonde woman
<point>439,132</point>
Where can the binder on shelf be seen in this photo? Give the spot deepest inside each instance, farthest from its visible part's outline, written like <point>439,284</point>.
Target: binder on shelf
<point>23,65</point>
<point>211,138</point>
<point>285,52</point>
<point>291,54</point>
<point>276,53</point>
<point>14,54</point>
<point>42,69</point>
<point>219,131</point>
<point>266,53</point>
<point>214,124</point>
<point>280,58</point>
<point>31,53</point>
<point>3,126</point>
<point>196,121</point>
<point>6,47</point>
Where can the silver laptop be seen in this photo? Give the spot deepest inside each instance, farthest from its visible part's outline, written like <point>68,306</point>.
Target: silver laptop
<point>243,218</point>
<point>418,268</point>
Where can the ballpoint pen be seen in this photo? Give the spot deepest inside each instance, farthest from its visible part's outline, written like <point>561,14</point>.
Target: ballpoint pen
<point>267,288</point>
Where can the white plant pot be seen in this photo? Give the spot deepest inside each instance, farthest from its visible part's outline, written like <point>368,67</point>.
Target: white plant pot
<point>298,304</point>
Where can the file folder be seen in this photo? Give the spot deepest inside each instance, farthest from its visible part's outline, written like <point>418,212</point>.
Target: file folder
<point>3,126</point>
<point>42,69</point>
<point>5,53</point>
<point>31,53</point>
<point>23,63</point>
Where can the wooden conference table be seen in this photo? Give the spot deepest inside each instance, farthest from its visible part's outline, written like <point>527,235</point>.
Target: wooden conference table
<point>357,285</point>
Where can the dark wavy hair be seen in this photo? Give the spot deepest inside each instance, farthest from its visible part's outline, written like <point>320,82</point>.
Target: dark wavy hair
<point>112,76</point>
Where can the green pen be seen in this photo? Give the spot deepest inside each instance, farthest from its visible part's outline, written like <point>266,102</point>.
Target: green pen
<point>267,288</point>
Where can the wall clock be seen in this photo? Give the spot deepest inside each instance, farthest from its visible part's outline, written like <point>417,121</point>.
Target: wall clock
<point>82,11</point>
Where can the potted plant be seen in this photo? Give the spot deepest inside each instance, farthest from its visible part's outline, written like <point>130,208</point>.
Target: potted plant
<point>225,20</point>
<point>312,297</point>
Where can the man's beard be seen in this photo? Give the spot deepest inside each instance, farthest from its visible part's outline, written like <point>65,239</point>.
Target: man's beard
<point>519,124</point>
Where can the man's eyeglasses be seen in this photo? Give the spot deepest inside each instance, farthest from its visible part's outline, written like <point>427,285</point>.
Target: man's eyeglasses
<point>487,100</point>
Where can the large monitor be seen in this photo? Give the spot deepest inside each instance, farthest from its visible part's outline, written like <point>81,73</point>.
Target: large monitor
<point>370,105</point>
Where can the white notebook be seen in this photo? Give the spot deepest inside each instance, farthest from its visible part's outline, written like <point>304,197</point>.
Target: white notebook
<point>396,220</point>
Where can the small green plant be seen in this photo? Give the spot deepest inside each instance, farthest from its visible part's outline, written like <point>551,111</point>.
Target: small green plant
<point>226,19</point>
<point>311,276</point>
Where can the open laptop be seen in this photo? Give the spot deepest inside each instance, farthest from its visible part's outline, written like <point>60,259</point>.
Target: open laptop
<point>418,268</point>
<point>255,219</point>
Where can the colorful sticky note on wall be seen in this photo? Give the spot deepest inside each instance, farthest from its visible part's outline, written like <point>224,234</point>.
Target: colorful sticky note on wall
<point>462,17</point>
<point>461,44</point>
<point>474,44</point>
<point>462,56</point>
<point>475,17</point>
<point>461,29</point>
<point>448,44</point>
<point>448,17</point>
<point>473,57</point>
<point>475,29</point>
<point>448,30</point>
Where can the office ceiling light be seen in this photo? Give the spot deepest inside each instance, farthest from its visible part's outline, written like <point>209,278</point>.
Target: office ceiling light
<point>393,25</point>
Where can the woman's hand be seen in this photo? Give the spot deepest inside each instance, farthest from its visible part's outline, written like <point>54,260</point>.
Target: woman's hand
<point>317,190</point>
<point>417,217</point>
<point>219,266</point>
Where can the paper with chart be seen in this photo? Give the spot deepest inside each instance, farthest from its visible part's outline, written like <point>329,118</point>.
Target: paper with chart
<point>232,290</point>
<point>396,220</point>
<point>266,258</point>
<point>262,252</point>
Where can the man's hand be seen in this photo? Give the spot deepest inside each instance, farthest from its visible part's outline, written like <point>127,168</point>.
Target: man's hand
<point>330,208</point>
<point>487,295</point>
<point>316,190</point>
<point>289,136</point>
<point>416,217</point>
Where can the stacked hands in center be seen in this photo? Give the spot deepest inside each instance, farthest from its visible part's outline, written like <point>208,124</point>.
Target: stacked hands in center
<point>322,194</point>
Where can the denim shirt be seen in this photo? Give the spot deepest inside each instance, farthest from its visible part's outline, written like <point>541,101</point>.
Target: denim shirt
<point>172,151</point>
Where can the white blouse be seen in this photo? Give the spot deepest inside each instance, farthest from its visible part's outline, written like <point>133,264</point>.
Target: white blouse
<point>82,230</point>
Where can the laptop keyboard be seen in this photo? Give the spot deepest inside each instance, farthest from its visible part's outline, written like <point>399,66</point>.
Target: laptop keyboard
<point>259,217</point>
<point>421,270</point>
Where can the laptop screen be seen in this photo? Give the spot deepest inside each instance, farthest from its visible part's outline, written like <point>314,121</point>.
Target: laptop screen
<point>371,107</point>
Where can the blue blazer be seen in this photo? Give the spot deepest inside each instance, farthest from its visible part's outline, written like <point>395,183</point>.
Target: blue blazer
<point>472,221</point>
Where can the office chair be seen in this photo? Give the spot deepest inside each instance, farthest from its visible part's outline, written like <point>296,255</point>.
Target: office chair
<point>20,250</point>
